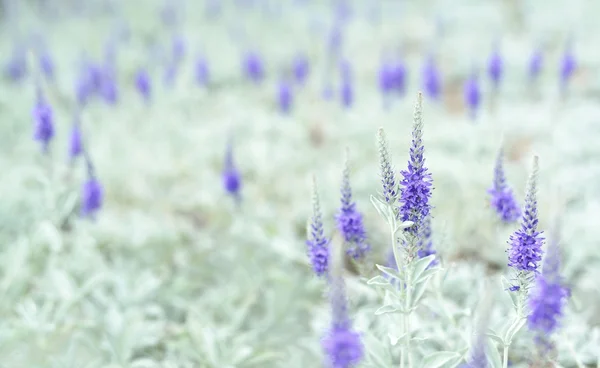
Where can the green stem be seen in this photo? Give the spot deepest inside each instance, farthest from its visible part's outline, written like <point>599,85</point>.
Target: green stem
<point>407,317</point>
<point>505,356</point>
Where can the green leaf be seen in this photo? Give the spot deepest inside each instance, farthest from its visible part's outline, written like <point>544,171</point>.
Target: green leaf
<point>394,339</point>
<point>418,292</point>
<point>378,280</point>
<point>513,329</point>
<point>441,359</point>
<point>420,266</point>
<point>493,355</point>
<point>383,209</point>
<point>390,272</point>
<point>389,308</point>
<point>494,336</point>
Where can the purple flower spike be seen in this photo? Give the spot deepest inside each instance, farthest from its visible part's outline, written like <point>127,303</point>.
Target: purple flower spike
<point>285,96</point>
<point>75,140</point>
<point>495,67</point>
<point>432,80</point>
<point>386,77</point>
<point>301,69</point>
<point>317,243</point>
<point>502,199</point>
<point>549,295</point>
<point>334,43</point>
<point>525,250</point>
<point>232,181</point>
<point>253,67</point>
<point>567,67</point>
<point>142,83</point>
<point>109,90</point>
<point>342,345</point>
<point>47,64</point>
<point>201,71</point>
<point>16,67</point>
<point>472,94</point>
<point>398,73</point>
<point>535,64</point>
<point>43,118</point>
<point>350,220</point>
<point>92,194</point>
<point>415,187</point>
<point>178,49</point>
<point>346,87</point>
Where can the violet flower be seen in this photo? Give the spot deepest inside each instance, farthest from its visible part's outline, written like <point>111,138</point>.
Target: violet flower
<point>253,67</point>
<point>16,67</point>
<point>472,94</point>
<point>389,191</point>
<point>285,96</point>
<point>502,199</point>
<point>201,71</point>
<point>143,84</point>
<point>342,345</point>
<point>43,119</point>
<point>495,67</point>
<point>317,243</point>
<point>549,294</point>
<point>300,69</point>
<point>525,250</point>
<point>399,74</point>
<point>567,67</point>
<point>535,64</point>
<point>350,220</point>
<point>92,194</point>
<point>415,187</point>
<point>432,80</point>
<point>46,64</point>
<point>232,180</point>
<point>75,140</point>
<point>346,87</point>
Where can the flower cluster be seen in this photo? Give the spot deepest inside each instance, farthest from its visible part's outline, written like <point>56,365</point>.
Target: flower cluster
<point>502,198</point>
<point>317,243</point>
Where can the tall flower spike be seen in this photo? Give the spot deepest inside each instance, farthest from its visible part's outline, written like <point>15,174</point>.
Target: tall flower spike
<point>231,176</point>
<point>300,68</point>
<point>317,243</point>
<point>342,345</point>
<point>75,141</point>
<point>472,94</point>
<point>285,96</point>
<point>346,88</point>
<point>415,187</point>
<point>16,67</point>
<point>548,297</point>
<point>43,118</point>
<point>399,76</point>
<point>350,220</point>
<point>525,250</point>
<point>502,199</point>
<point>567,67</point>
<point>388,179</point>
<point>202,73</point>
<point>432,80</point>
<point>92,194</point>
<point>142,84</point>
<point>496,67</point>
<point>253,67</point>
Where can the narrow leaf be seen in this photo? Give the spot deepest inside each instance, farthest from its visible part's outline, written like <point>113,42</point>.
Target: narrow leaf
<point>440,359</point>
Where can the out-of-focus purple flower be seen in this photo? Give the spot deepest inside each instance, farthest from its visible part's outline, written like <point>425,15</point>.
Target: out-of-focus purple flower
<point>16,67</point>
<point>502,199</point>
<point>334,43</point>
<point>472,94</point>
<point>432,80</point>
<point>567,67</point>
<point>201,71</point>
<point>43,119</point>
<point>342,345</point>
<point>350,220</point>
<point>415,187</point>
<point>46,64</point>
<point>232,181</point>
<point>328,91</point>
<point>386,77</point>
<point>535,64</point>
<point>142,83</point>
<point>495,67</point>
<point>178,49</point>
<point>398,73</point>
<point>109,89</point>
<point>75,140</point>
<point>317,243</point>
<point>92,194</point>
<point>253,67</point>
<point>525,250</point>
<point>549,295</point>
<point>285,96</point>
<point>300,68</point>
<point>343,10</point>
<point>346,85</point>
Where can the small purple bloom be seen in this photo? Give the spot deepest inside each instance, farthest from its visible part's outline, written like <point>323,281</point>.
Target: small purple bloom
<point>432,80</point>
<point>201,71</point>
<point>92,195</point>
<point>526,243</point>
<point>347,93</point>
<point>502,198</point>
<point>178,49</point>
<point>334,43</point>
<point>567,67</point>
<point>253,67</point>
<point>109,90</point>
<point>472,94</point>
<point>46,64</point>
<point>386,77</point>
<point>43,118</point>
<point>300,68</point>
<point>350,220</point>
<point>398,75</point>
<point>231,176</point>
<point>16,67</point>
<point>343,346</point>
<point>495,67</point>
<point>142,83</point>
<point>75,141</point>
<point>285,96</point>
<point>388,179</point>
<point>535,64</point>
<point>316,242</point>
